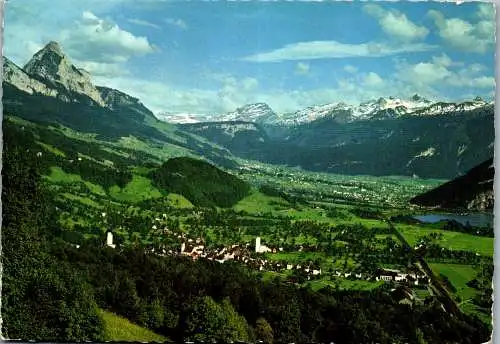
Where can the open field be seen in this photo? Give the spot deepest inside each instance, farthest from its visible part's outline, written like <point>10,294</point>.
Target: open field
<point>451,240</point>
<point>344,284</point>
<point>120,329</point>
<point>139,189</point>
<point>458,275</point>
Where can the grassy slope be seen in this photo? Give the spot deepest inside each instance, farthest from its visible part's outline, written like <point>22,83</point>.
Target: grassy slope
<point>120,329</point>
<point>139,189</point>
<point>179,201</point>
<point>58,176</point>
<point>458,275</point>
<point>452,240</point>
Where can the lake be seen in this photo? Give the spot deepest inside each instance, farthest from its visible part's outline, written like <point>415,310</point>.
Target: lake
<point>475,219</point>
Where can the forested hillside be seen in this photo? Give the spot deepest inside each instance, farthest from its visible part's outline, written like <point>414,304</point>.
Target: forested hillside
<point>201,183</point>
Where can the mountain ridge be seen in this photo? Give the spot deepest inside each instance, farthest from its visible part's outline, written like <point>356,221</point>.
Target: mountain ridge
<point>472,191</point>
<point>375,109</point>
<point>47,94</point>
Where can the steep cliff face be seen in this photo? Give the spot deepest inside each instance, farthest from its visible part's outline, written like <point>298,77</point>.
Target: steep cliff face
<point>122,102</point>
<point>472,191</point>
<point>114,98</point>
<point>49,88</point>
<point>52,66</point>
<point>18,78</point>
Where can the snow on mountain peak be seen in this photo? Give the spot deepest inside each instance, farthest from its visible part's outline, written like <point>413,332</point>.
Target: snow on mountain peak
<point>257,112</point>
<point>381,108</point>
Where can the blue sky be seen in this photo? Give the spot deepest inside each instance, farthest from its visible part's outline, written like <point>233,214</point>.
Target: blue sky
<point>211,57</point>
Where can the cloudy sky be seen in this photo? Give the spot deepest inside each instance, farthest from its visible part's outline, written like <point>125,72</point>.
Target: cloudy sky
<point>211,57</point>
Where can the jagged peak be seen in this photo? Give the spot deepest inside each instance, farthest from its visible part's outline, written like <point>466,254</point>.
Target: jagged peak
<point>416,97</point>
<point>47,60</point>
<point>255,105</point>
<point>51,65</point>
<point>53,46</point>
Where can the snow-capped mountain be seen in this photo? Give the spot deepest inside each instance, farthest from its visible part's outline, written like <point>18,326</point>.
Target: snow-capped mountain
<point>443,108</point>
<point>258,113</point>
<point>381,108</point>
<point>314,113</point>
<point>184,118</point>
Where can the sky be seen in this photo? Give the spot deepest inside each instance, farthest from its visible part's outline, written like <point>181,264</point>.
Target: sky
<point>213,56</point>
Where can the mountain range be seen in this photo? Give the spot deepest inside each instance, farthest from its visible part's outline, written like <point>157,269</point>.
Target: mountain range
<point>387,136</point>
<point>50,89</point>
<point>376,109</point>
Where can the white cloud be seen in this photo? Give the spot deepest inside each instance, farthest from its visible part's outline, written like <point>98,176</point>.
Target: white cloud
<point>143,23</point>
<point>250,84</point>
<point>396,24</point>
<point>228,92</point>
<point>462,35</point>
<point>177,22</point>
<point>486,11</point>
<point>373,80</point>
<point>35,22</point>
<point>445,61</point>
<point>437,74</point>
<point>302,68</point>
<point>350,69</point>
<point>97,69</point>
<point>333,49</point>
<point>98,40</point>
<point>459,80</point>
<point>427,73</point>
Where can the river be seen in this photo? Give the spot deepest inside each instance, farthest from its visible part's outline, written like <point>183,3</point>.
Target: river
<point>475,219</point>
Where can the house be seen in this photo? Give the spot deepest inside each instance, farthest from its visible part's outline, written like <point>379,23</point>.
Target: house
<point>109,239</point>
<point>260,248</point>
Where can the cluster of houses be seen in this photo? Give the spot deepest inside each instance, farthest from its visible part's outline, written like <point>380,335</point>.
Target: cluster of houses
<point>386,275</point>
<point>195,249</point>
<point>410,277</point>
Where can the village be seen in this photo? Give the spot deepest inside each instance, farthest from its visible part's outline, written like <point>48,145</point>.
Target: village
<point>254,257</point>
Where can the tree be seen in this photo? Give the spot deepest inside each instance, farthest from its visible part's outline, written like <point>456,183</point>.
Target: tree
<point>42,299</point>
<point>207,321</point>
<point>264,331</point>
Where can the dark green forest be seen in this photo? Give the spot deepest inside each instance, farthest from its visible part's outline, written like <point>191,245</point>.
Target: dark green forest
<point>200,182</point>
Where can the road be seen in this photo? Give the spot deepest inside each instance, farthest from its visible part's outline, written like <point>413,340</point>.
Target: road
<point>443,294</point>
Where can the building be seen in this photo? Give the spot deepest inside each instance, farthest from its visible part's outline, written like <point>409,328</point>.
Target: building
<point>109,240</point>
<point>260,248</point>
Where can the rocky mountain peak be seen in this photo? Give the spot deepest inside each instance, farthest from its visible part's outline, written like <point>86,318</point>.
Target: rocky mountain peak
<point>256,112</point>
<point>55,47</point>
<point>47,62</point>
<point>18,78</point>
<point>52,66</point>
<point>416,97</point>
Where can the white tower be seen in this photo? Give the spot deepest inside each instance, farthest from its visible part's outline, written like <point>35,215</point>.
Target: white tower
<point>109,240</point>
<point>257,244</point>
